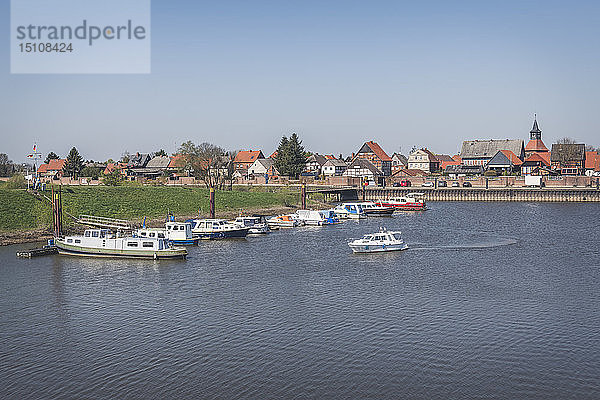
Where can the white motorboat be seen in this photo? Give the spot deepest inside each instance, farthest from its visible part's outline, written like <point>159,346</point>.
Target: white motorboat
<point>284,221</point>
<point>104,243</point>
<point>256,224</point>
<point>217,229</point>
<point>410,202</point>
<point>349,210</point>
<point>370,208</point>
<point>310,217</point>
<point>176,232</point>
<point>379,242</point>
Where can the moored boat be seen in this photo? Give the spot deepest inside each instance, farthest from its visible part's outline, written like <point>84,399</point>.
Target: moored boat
<point>283,221</point>
<point>410,202</point>
<point>379,242</point>
<point>349,210</point>
<point>175,232</point>
<point>104,243</point>
<point>370,208</point>
<point>217,229</point>
<point>256,224</point>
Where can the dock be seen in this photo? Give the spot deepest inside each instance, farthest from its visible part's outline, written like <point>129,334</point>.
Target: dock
<point>44,251</point>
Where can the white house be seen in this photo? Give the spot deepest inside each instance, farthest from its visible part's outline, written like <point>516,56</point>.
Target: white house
<point>334,167</point>
<point>424,160</point>
<point>263,166</point>
<point>361,168</point>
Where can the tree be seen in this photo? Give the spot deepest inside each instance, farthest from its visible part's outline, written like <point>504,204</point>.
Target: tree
<point>113,178</point>
<point>90,172</point>
<point>206,161</point>
<point>589,147</point>
<point>51,156</point>
<point>125,157</point>
<point>74,164</point>
<point>7,167</point>
<point>161,153</point>
<point>291,158</point>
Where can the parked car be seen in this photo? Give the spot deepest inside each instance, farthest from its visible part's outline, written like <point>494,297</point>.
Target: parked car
<point>405,183</point>
<point>428,184</point>
<point>455,184</point>
<point>467,184</point>
<point>396,184</point>
<point>442,184</point>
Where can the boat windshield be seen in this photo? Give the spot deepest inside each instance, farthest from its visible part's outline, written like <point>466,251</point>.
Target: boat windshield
<point>368,237</point>
<point>397,236</point>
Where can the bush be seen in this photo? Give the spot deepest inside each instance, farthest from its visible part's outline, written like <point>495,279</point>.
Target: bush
<point>17,181</point>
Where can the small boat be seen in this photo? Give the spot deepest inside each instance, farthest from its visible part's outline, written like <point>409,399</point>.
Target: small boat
<point>256,224</point>
<point>410,202</point>
<point>329,217</point>
<point>217,229</point>
<point>283,221</point>
<point>175,232</point>
<point>378,242</point>
<point>370,208</point>
<point>105,243</point>
<point>349,210</point>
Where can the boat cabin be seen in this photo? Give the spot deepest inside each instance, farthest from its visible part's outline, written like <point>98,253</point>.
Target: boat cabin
<point>106,239</point>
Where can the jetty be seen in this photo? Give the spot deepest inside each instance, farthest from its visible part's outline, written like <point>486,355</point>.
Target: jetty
<point>44,251</point>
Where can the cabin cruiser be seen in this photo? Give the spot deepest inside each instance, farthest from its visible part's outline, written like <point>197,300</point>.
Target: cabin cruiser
<point>176,232</point>
<point>410,202</point>
<point>370,208</point>
<point>256,224</point>
<point>314,217</point>
<point>105,243</point>
<point>378,242</point>
<point>284,221</point>
<point>329,217</point>
<point>217,229</point>
<point>349,210</point>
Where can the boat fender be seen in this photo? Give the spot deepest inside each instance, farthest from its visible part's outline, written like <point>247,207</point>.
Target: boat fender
<point>155,256</point>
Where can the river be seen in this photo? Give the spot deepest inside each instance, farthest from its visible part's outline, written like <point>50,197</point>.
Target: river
<point>492,300</point>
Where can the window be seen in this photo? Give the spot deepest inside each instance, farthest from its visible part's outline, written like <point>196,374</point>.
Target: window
<point>132,244</point>
<point>143,234</point>
<point>147,244</point>
<point>87,233</point>
<point>77,241</point>
<point>161,235</point>
<point>95,233</point>
<point>152,234</point>
<point>69,240</point>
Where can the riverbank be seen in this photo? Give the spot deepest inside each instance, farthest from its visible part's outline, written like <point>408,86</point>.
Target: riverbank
<point>26,218</point>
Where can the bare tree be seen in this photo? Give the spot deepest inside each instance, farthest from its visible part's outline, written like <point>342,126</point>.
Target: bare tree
<point>566,152</point>
<point>208,162</point>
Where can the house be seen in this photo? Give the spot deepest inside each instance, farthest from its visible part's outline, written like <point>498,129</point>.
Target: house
<point>568,158</point>
<point>138,160</point>
<point>334,167</point>
<point>244,159</point>
<point>399,162</point>
<point>53,169</point>
<point>535,162</point>
<point>480,152</point>
<point>592,162</point>
<point>314,164</point>
<point>535,145</point>
<point>461,170</point>
<point>373,153</point>
<point>362,168</point>
<point>406,173</point>
<point>263,166</point>
<point>424,160</point>
<point>445,162</point>
<point>110,167</point>
<point>153,168</point>
<point>504,161</point>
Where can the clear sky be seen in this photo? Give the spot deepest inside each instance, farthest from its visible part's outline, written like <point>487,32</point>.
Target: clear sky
<point>241,74</point>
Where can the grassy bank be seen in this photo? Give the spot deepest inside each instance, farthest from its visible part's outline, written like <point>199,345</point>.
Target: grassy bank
<point>21,211</point>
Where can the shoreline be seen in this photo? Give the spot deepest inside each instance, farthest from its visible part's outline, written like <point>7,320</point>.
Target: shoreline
<point>8,238</point>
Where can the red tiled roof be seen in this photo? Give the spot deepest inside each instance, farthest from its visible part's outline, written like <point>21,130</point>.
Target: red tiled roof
<point>409,172</point>
<point>379,151</point>
<point>537,157</point>
<point>176,161</point>
<point>512,157</point>
<point>536,145</point>
<point>329,156</point>
<point>53,165</point>
<point>592,160</point>
<point>110,167</point>
<point>445,164</point>
<point>274,155</point>
<point>457,157</point>
<point>444,157</point>
<point>248,156</point>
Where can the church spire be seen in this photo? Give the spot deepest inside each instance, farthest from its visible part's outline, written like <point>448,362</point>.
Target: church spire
<point>535,132</point>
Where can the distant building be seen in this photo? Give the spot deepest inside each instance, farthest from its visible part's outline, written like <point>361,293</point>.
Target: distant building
<point>314,163</point>
<point>446,162</point>
<point>153,168</point>
<point>424,160</point>
<point>399,162</point>
<point>244,159</point>
<point>406,173</point>
<point>504,161</point>
<point>53,169</point>
<point>535,145</point>
<point>535,163</point>
<point>138,160</point>
<point>373,153</point>
<point>110,167</point>
<point>263,166</point>
<point>568,159</point>
<point>362,168</point>
<point>592,163</point>
<point>334,167</point>
<point>480,152</point>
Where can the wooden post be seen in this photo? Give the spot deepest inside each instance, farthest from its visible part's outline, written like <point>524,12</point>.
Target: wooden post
<point>211,203</point>
<point>303,196</point>
<point>57,212</point>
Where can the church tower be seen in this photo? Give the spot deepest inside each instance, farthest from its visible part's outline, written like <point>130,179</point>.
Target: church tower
<point>535,133</point>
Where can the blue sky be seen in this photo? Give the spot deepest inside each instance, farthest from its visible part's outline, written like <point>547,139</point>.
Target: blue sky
<point>242,74</point>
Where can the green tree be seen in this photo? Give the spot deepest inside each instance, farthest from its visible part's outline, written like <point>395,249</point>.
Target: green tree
<point>91,172</point>
<point>161,152</point>
<point>6,165</point>
<point>51,156</point>
<point>74,164</point>
<point>291,158</point>
<point>113,178</point>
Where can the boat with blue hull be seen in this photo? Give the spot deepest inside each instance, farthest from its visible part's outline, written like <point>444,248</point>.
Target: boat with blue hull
<point>217,229</point>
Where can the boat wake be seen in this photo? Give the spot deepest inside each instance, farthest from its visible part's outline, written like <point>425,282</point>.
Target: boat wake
<point>466,246</point>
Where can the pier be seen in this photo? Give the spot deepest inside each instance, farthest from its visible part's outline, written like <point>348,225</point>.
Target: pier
<point>493,194</point>
<point>44,251</point>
